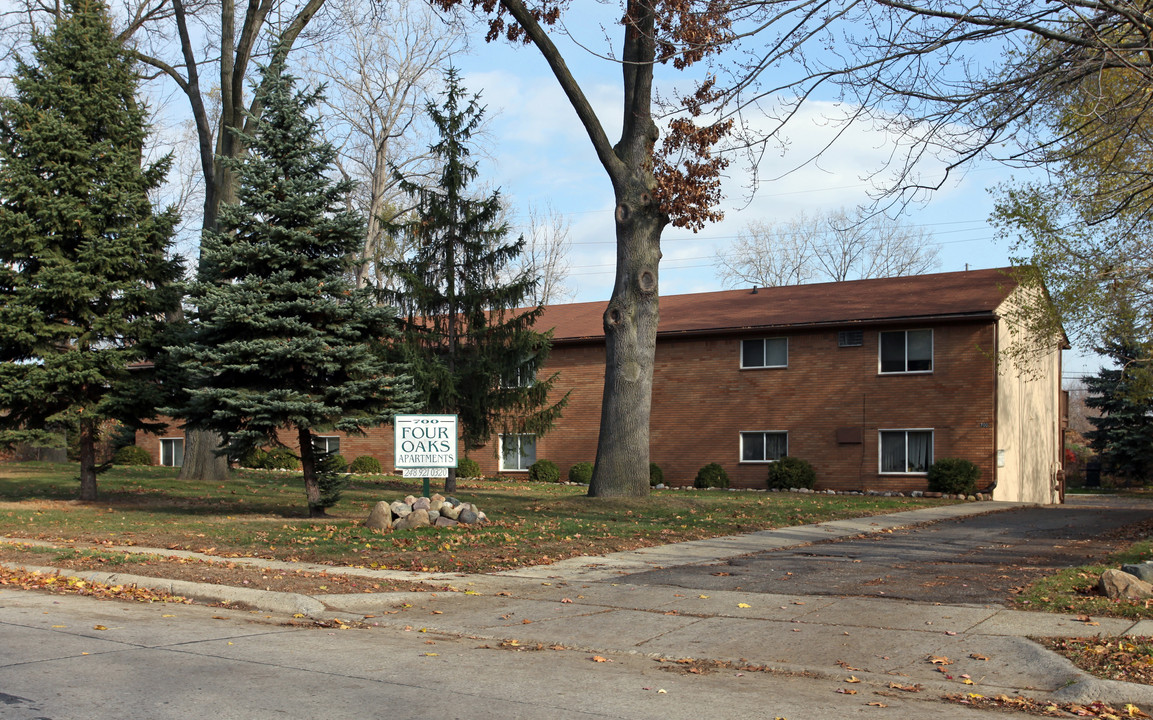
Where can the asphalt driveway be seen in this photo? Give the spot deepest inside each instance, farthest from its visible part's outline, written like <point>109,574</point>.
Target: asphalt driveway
<point>979,559</point>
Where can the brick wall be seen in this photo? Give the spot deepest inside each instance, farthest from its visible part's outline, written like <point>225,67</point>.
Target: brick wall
<point>702,400</point>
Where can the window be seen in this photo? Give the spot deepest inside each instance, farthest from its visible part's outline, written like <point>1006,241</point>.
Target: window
<point>906,451</point>
<point>764,446</point>
<point>523,376</point>
<point>324,444</point>
<point>517,452</point>
<point>765,353</point>
<point>907,351</point>
<point>851,338</point>
<point>172,452</point>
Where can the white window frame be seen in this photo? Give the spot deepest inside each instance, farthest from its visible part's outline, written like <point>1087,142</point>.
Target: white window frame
<point>765,351</point>
<point>173,441</point>
<point>322,443</point>
<point>881,456</point>
<point>525,377</point>
<point>907,371</point>
<point>741,448</point>
<point>519,452</point>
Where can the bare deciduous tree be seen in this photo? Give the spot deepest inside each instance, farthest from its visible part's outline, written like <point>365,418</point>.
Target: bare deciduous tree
<point>390,64</point>
<point>830,246</point>
<point>547,242</point>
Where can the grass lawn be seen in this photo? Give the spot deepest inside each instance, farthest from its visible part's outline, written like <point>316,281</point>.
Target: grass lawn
<point>262,514</point>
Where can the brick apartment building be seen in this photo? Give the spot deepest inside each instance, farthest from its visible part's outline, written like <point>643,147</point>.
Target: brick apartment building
<point>868,380</point>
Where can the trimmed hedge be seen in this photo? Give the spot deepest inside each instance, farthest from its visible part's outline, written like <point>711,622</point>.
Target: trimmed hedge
<point>544,471</point>
<point>656,475</point>
<point>131,455</point>
<point>365,465</point>
<point>791,472</point>
<point>278,458</point>
<point>711,476</point>
<point>581,473</point>
<point>954,476</point>
<point>467,468</point>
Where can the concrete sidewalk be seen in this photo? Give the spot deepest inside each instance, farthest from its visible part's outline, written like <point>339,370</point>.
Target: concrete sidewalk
<point>587,604</point>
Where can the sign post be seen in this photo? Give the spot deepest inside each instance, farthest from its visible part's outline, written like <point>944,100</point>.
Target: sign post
<point>425,446</point>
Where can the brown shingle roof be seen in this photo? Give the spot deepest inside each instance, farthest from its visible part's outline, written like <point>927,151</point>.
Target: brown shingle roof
<point>941,295</point>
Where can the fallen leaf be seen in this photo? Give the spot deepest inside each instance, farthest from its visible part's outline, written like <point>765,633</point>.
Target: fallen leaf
<point>877,704</point>
<point>905,688</point>
<point>703,597</point>
<point>940,660</point>
<point>950,632</point>
<point>852,679</point>
<point>99,627</point>
<point>977,656</point>
<point>846,691</point>
<point>427,654</point>
<point>566,600</point>
<point>744,605</point>
<point>598,659</point>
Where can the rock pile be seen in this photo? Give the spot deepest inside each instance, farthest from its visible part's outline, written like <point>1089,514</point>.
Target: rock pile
<point>412,512</point>
<point>1131,581</point>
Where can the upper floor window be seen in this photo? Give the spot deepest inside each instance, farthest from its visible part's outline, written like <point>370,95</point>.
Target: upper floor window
<point>764,446</point>
<point>906,351</point>
<point>765,353</point>
<point>523,376</point>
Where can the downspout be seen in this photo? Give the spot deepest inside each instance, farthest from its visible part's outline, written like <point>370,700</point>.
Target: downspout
<point>996,407</point>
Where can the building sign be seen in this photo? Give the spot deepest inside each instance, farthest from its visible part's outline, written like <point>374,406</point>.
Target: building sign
<point>425,441</point>
<point>424,472</point>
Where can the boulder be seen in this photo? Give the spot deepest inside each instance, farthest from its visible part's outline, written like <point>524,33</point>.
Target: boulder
<point>435,505</point>
<point>400,509</point>
<point>445,522</point>
<point>381,516</point>
<point>1143,571</point>
<point>449,511</point>
<point>1118,584</point>
<point>416,518</point>
<point>421,503</point>
<point>467,516</point>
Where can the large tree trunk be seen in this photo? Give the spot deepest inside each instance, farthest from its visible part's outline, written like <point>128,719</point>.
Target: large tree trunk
<point>308,465</point>
<point>201,459</point>
<point>450,482</point>
<point>630,323</point>
<point>88,460</point>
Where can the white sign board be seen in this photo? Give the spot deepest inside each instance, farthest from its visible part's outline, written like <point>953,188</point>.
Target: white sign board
<point>424,472</point>
<point>425,441</point>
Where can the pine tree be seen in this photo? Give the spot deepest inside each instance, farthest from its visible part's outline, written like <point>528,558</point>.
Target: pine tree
<point>470,350</point>
<point>84,277</point>
<point>1124,430</point>
<point>283,338</point>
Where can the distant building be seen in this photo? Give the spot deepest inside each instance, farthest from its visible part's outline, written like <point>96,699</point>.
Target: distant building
<point>868,380</point>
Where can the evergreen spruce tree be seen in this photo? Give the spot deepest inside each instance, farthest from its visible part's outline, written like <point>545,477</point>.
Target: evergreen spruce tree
<point>84,277</point>
<point>282,338</point>
<point>1123,434</point>
<point>470,350</point>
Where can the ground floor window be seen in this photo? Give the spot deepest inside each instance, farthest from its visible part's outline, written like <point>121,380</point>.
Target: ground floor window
<point>764,446</point>
<point>172,452</point>
<point>324,444</point>
<point>906,451</point>
<point>517,452</point>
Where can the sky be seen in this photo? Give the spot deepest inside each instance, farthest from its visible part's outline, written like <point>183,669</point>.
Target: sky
<point>539,156</point>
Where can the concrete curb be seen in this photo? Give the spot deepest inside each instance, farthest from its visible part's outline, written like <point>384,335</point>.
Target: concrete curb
<point>262,600</point>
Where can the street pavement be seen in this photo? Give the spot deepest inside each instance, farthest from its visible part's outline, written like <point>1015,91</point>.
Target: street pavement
<point>625,609</point>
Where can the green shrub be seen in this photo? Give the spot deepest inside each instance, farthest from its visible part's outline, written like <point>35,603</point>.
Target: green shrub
<point>791,472</point>
<point>954,476</point>
<point>544,471</point>
<point>278,458</point>
<point>581,473</point>
<point>131,455</point>
<point>365,465</point>
<point>656,475</point>
<point>467,468</point>
<point>332,462</point>
<point>710,476</point>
